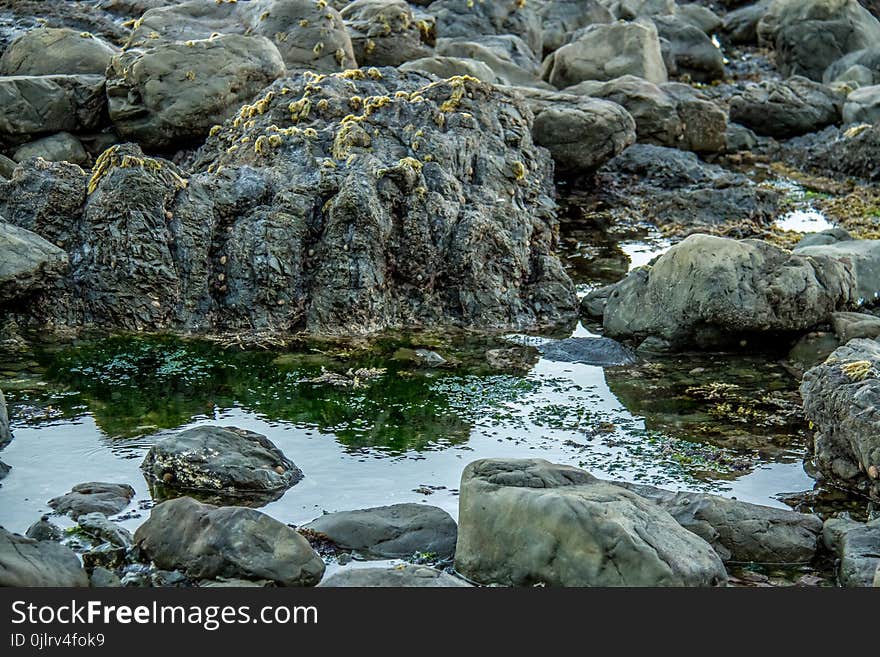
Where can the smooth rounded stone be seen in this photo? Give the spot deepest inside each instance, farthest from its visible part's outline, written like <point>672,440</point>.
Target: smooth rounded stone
<point>528,522</point>
<point>30,263</point>
<point>857,545</point>
<point>739,138</point>
<point>711,291</point>
<point>842,401</point>
<point>448,67</point>
<point>508,56</point>
<point>654,111</point>
<point>741,25</point>
<point>739,531</point>
<point>102,578</point>
<point>44,530</point>
<point>862,66</point>
<point>862,257</point>
<point>695,54</point>
<point>632,9</point>
<point>560,19</point>
<point>593,303</point>
<point>704,123</point>
<point>63,147</point>
<point>810,35</point>
<point>848,326</point>
<point>26,562</point>
<point>5,431</point>
<point>470,19</point>
<point>603,352</point>
<point>862,106</point>
<point>700,17</point>
<point>786,108</point>
<point>97,526</point>
<point>400,530</point>
<point>41,104</point>
<point>56,51</point>
<point>308,35</point>
<point>209,542</point>
<point>91,497</point>
<point>584,137</point>
<point>226,461</point>
<point>386,33</point>
<point>404,576</point>
<point>829,236</point>
<point>169,92</point>
<point>605,52</point>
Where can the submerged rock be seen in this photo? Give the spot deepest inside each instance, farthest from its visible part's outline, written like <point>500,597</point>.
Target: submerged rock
<point>857,546</point>
<point>98,527</point>
<point>404,576</point>
<point>603,352</point>
<point>26,562</point>
<point>208,542</point>
<point>531,522</point>
<point>400,530</point>
<point>108,499</point>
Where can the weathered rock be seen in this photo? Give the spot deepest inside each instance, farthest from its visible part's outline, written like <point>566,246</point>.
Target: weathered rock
<point>4,470</point>
<point>738,531</point>
<point>29,263</point>
<point>562,18</point>
<point>404,576</point>
<point>507,56</point>
<point>700,17</point>
<point>861,257</point>
<point>603,352</point>
<point>108,499</point>
<point>842,400</point>
<point>448,67</point>
<point>63,147</point>
<point>26,562</point>
<point>169,92</point>
<point>825,237</point>
<point>785,109</point>
<point>98,527</point>
<point>5,432</point>
<point>857,545</point>
<point>605,52</point>
<point>862,105</point>
<point>101,578</point>
<point>400,530</point>
<point>739,138</point>
<point>741,25</point>
<point>631,9</point>
<point>465,18</point>
<point>704,123</point>
<point>35,105</point>
<point>387,33</point>
<point>810,35</point>
<point>853,152</point>
<point>695,54</point>
<point>531,522</point>
<point>848,326</point>
<point>54,51</point>
<point>44,530</point>
<point>710,291</point>
<point>207,542</point>
<point>594,302</point>
<point>862,66</point>
<point>225,461</point>
<point>7,167</point>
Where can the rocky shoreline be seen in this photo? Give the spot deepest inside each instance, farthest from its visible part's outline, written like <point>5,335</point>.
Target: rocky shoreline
<point>264,171</point>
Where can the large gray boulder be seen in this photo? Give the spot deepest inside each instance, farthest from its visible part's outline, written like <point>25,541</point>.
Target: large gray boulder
<point>404,576</point>
<point>857,546</point>
<point>739,531</point>
<point>63,147</point>
<point>842,400</point>
<point>711,291</point>
<point>400,530</point>
<point>862,105</point>
<point>862,66</point>
<point>560,19</point>
<point>92,497</point>
<point>810,35</point>
<point>28,263</point>
<point>850,325</point>
<point>508,57</point>
<point>605,52</point>
<point>224,461</point>
<point>466,18</point>
<point>786,108</point>
<point>704,121</point>
<point>861,257</point>
<point>448,67</point>
<point>208,542</point>
<point>386,33</point>
<point>56,51</point>
<point>532,522</point>
<point>46,104</point>
<point>26,562</point>
<point>694,52</point>
<point>175,91</point>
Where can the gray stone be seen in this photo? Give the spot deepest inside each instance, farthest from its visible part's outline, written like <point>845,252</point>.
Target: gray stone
<point>785,109</point>
<point>862,105</point>
<point>400,530</point>
<point>41,104</point>
<point>531,522</point>
<point>739,138</point>
<point>861,257</point>
<point>7,167</point>
<point>91,497</point>
<point>4,470</point>
<point>603,352</point>
<point>631,9</point>
<point>448,67</point>
<point>101,578</point>
<point>695,54</point>
<point>704,123</point>
<point>98,527</point>
<point>386,33</point>
<point>862,66</point>
<point>63,147</point>
<point>466,18</point>
<point>56,51</point>
<point>26,562</point>
<point>404,576</point>
<point>829,236</point>
<point>44,530</point>
<point>562,18</point>
<point>848,326</point>
<point>207,542</point>
<point>741,25</point>
<point>508,57</point>
<point>5,432</point>
<point>29,264</point>
<point>700,17</point>
<point>857,546</point>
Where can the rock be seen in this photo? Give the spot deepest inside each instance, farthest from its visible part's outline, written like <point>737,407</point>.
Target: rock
<point>29,264</point>
<point>560,19</point>
<point>406,575</point>
<point>704,123</point>
<point>631,9</point>
<point>101,578</point>
<point>857,545</point>
<point>54,51</point>
<point>605,52</point>
<point>448,67</point>
<point>531,522</point>
<point>739,138</point>
<point>5,432</point>
<point>701,17</point>
<point>108,499</point>
<point>507,56</point>
<point>4,470</point>
<point>786,109</point>
<point>465,18</point>
<point>842,400</point>
<point>862,66</point>
<point>308,35</point>
<point>741,25</point>
<point>26,562</point>
<point>207,542</point>
<point>169,92</point>
<point>738,531</point>
<point>854,152</point>
<point>97,526</point>
<point>44,530</point>
<point>810,35</point>
<point>593,303</point>
<point>829,236</point>
<point>862,105</point>
<point>848,326</point>
<point>711,291</point>
<point>35,105</point>
<point>602,352</point>
<point>225,461</point>
<point>386,33</point>
<point>63,147</point>
<point>695,54</point>
<point>7,166</point>
<point>520,358</point>
<point>400,530</point>
<point>861,257</point>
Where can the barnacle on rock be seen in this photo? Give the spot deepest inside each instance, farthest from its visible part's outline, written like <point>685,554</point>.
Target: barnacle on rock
<point>115,157</point>
<point>857,370</point>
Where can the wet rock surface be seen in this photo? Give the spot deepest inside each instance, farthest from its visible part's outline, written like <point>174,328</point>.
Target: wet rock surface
<point>92,497</point>
<point>404,576</point>
<point>26,562</point>
<point>857,547</point>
